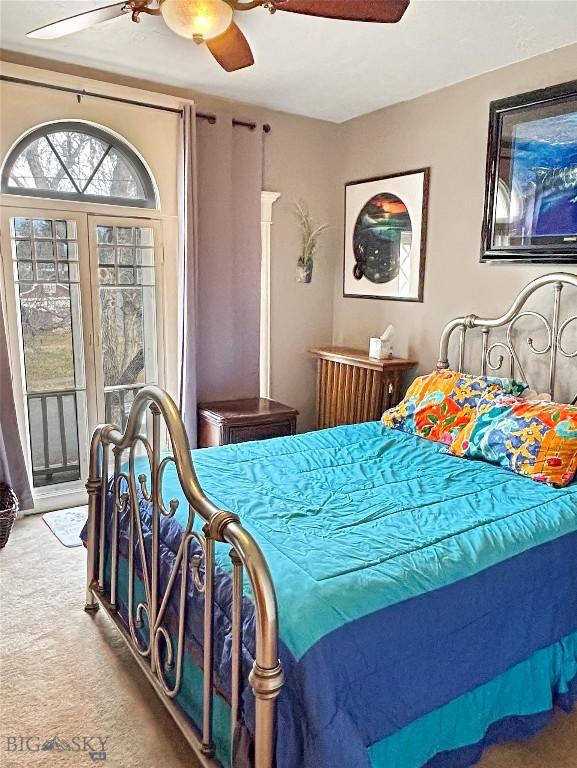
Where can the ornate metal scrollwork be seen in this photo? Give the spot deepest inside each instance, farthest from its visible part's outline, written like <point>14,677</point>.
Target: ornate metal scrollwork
<point>173,658</point>
<point>142,483</point>
<point>496,366</point>
<point>516,365</point>
<point>495,354</point>
<point>155,634</point>
<point>510,348</point>
<point>562,328</point>
<point>165,651</point>
<point>135,532</point>
<point>121,498</point>
<point>173,503</point>
<point>197,562</point>
<point>530,343</point>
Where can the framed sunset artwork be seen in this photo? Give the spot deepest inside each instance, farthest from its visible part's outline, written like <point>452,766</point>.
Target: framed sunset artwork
<point>385,236</point>
<point>531,179</point>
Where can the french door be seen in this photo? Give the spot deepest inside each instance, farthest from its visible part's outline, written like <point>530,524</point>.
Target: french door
<point>85,329</point>
<point>124,307</point>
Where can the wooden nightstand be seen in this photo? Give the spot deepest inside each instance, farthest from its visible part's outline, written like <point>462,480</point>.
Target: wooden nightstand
<point>238,421</point>
<point>353,387</point>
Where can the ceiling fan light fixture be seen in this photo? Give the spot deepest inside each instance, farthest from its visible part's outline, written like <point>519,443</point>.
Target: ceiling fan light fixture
<point>197,20</point>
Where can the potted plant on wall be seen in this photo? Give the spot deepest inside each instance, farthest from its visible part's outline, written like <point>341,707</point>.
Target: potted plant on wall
<point>310,235</point>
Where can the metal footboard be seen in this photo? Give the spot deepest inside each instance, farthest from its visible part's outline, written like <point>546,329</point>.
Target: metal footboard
<point>266,677</point>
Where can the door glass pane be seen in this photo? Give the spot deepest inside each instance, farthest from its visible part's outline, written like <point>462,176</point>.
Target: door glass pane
<point>42,228</point>
<point>48,295</point>
<point>122,335</point>
<point>127,312</point>
<point>47,337</point>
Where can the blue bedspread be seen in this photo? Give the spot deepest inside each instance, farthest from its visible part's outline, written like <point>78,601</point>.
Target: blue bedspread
<point>405,579</point>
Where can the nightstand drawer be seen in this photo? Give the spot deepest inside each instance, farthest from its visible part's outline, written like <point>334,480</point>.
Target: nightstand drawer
<point>257,432</point>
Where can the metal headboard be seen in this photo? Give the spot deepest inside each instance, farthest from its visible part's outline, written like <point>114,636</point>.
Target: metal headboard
<point>506,354</point>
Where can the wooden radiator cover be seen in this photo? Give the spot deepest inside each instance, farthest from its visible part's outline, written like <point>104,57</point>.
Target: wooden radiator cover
<point>352,387</point>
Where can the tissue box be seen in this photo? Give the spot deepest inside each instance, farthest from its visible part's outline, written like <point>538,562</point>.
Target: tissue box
<point>379,349</point>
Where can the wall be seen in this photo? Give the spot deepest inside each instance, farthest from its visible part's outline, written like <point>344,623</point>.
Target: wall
<point>446,130</point>
<point>298,164</point>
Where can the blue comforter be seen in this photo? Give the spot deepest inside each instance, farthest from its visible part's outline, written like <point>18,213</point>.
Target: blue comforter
<point>406,579</point>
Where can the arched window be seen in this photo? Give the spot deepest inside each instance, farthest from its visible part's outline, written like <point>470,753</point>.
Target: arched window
<point>78,161</point>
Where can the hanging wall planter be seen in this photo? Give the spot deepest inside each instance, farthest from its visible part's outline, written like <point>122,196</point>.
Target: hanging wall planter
<point>310,236</point>
<point>304,271</point>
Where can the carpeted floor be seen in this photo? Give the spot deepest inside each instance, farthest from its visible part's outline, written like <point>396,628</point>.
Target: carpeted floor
<point>67,674</point>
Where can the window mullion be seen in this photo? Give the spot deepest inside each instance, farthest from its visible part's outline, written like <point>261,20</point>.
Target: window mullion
<point>61,161</point>
<point>96,169</point>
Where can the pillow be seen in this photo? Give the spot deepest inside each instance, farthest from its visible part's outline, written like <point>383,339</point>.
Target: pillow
<point>532,394</point>
<point>437,406</point>
<point>536,439</point>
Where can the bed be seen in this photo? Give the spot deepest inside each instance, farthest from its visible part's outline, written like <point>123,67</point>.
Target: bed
<point>349,597</point>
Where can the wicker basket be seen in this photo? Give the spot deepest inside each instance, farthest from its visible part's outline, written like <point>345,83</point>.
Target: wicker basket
<point>8,511</point>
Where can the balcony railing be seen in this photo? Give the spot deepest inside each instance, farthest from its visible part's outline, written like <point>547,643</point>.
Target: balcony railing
<point>53,424</point>
<point>53,421</point>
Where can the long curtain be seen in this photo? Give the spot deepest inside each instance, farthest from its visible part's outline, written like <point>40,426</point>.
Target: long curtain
<point>221,262</point>
<point>12,464</point>
<point>188,271</point>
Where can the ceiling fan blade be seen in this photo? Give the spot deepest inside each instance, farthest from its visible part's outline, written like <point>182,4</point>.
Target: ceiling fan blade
<point>231,49</point>
<point>79,22</point>
<point>382,11</point>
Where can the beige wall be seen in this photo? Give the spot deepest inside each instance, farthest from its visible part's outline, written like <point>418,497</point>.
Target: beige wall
<point>301,168</point>
<point>446,130</point>
<point>299,156</point>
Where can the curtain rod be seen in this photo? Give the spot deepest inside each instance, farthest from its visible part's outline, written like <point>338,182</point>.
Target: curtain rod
<point>174,110</point>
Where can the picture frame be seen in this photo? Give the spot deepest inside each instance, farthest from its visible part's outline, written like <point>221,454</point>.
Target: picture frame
<point>530,208</point>
<point>385,236</point>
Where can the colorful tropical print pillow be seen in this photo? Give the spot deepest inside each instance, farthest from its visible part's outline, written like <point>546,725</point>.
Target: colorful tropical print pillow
<point>439,405</point>
<point>536,439</point>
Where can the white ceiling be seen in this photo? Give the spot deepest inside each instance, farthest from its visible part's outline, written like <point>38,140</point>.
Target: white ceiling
<point>328,69</point>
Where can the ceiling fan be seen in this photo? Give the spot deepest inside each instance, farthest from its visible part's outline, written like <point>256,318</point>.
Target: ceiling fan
<point>211,21</point>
